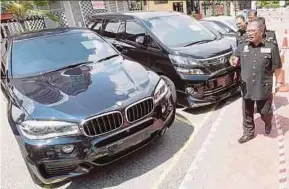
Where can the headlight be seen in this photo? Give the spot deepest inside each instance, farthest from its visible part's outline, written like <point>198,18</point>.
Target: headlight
<point>48,129</point>
<point>160,91</point>
<point>185,65</point>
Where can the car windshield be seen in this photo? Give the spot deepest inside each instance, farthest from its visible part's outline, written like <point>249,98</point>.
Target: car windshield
<point>43,54</point>
<point>212,25</point>
<point>178,30</point>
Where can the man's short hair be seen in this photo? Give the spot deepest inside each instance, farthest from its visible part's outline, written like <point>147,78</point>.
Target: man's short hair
<point>259,23</point>
<point>241,17</point>
<point>253,12</point>
<point>261,19</point>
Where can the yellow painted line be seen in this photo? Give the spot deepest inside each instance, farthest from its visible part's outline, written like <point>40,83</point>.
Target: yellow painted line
<point>177,156</point>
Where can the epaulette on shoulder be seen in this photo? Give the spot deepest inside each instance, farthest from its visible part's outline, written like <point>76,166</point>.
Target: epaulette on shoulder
<point>271,41</point>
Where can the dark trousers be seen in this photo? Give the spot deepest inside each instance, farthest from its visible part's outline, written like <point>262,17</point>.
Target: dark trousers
<point>264,107</point>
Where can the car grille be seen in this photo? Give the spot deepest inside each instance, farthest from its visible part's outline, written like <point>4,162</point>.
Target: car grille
<point>216,64</point>
<point>139,110</point>
<point>60,168</point>
<point>102,124</point>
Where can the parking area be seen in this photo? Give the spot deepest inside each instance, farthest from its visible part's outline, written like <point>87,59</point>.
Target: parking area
<point>199,151</point>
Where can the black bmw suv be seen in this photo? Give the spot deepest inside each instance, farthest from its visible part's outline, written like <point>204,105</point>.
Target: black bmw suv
<point>75,102</point>
<point>177,46</point>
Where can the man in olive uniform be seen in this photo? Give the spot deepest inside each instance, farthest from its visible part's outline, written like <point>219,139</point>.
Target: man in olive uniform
<point>258,60</point>
<point>242,25</point>
<point>269,35</point>
<point>252,14</point>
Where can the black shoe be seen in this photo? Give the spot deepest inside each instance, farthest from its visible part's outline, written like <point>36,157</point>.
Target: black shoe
<point>268,129</point>
<point>245,138</point>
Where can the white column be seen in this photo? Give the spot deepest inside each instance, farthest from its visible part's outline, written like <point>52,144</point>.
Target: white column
<point>68,13</point>
<point>116,6</point>
<point>232,8</point>
<point>254,5</point>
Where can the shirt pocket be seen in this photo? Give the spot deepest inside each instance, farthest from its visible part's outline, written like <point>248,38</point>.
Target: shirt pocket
<point>266,89</point>
<point>244,59</point>
<point>265,59</point>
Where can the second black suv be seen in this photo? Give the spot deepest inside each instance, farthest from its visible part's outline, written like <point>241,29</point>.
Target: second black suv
<point>177,46</point>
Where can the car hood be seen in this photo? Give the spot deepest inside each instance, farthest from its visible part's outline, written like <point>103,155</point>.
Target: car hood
<point>86,90</point>
<point>206,50</point>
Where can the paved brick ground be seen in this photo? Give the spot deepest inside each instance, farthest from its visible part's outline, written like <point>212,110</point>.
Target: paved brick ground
<point>224,163</point>
<point>259,164</point>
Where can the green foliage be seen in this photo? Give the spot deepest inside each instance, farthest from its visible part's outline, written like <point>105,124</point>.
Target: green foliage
<point>268,4</point>
<point>23,9</point>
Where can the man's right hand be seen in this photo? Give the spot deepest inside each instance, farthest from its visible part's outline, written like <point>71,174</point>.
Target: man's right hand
<point>234,61</point>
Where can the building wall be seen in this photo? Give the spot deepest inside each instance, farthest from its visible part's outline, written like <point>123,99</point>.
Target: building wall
<point>151,6</point>
<point>87,10</point>
<point>77,14</point>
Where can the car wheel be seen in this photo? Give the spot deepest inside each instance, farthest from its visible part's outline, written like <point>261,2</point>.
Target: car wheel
<point>172,87</point>
<point>35,179</point>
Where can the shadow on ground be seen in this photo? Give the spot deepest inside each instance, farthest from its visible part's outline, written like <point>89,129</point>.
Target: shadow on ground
<point>136,164</point>
<point>284,121</point>
<point>260,127</point>
<point>280,102</point>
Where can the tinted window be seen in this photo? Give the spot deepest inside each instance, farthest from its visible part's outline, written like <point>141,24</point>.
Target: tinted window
<point>224,26</point>
<point>178,30</point>
<point>133,30</point>
<point>96,26</point>
<point>48,53</point>
<point>111,28</point>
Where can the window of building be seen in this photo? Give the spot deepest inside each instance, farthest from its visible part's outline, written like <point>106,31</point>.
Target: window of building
<point>161,2</point>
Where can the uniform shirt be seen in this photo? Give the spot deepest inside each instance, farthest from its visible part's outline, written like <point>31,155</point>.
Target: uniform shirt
<point>258,64</point>
<point>271,37</point>
<point>241,37</point>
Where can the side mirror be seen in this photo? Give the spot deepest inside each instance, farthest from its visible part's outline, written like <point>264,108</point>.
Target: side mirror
<point>227,30</point>
<point>140,40</point>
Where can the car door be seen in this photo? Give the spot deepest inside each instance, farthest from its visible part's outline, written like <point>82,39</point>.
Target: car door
<point>131,41</point>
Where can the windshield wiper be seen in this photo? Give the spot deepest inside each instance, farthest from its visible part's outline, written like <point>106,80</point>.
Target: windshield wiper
<point>197,42</point>
<point>78,64</point>
<point>107,58</point>
<point>68,66</point>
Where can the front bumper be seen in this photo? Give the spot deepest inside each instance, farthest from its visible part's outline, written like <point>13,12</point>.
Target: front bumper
<point>210,91</point>
<point>50,164</point>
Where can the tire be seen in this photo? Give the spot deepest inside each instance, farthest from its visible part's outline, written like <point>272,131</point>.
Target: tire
<point>172,87</point>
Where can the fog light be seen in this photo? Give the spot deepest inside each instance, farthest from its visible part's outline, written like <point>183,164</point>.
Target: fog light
<point>67,149</point>
<point>164,108</point>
